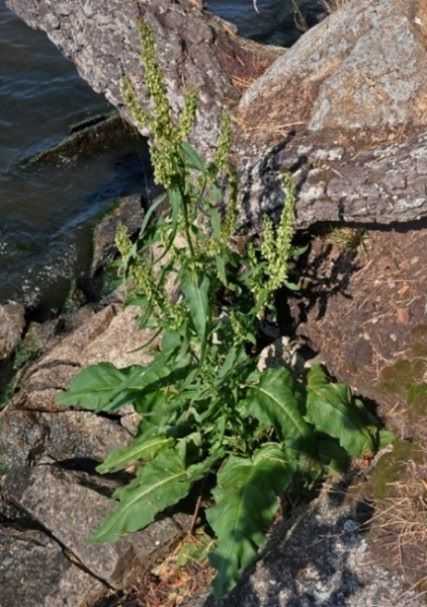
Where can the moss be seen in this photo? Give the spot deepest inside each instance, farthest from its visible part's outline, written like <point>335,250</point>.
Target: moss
<point>6,392</point>
<point>27,350</point>
<point>402,375</point>
<point>417,399</point>
<point>104,134</point>
<point>406,377</point>
<point>391,467</point>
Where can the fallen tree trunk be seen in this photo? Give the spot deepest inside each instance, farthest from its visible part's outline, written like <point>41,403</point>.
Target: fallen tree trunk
<point>344,110</point>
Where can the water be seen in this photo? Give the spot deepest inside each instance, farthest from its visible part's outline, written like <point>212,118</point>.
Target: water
<point>269,21</point>
<point>46,212</point>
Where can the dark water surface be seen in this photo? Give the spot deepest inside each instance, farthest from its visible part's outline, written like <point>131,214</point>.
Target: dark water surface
<point>279,22</point>
<point>46,211</point>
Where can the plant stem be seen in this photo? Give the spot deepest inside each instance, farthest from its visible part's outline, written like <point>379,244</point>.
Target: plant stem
<point>195,514</point>
<point>187,226</point>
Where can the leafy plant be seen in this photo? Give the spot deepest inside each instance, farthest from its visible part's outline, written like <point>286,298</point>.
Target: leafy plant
<point>206,411</point>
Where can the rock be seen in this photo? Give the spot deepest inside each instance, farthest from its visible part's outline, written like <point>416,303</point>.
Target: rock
<point>12,323</point>
<point>35,571</point>
<point>40,334</point>
<point>353,91</point>
<point>110,335</point>
<point>29,436</point>
<point>344,107</point>
<point>198,50</point>
<point>361,69</point>
<point>98,133</point>
<point>282,352</point>
<point>50,492</point>
<point>321,557</point>
<point>127,212</point>
<point>129,419</point>
<point>70,511</point>
<point>365,311</point>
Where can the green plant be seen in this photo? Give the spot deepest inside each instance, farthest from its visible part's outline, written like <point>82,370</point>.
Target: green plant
<point>348,239</point>
<point>6,391</point>
<point>207,412</point>
<point>27,351</point>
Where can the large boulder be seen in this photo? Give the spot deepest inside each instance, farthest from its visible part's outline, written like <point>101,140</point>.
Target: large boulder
<point>361,70</point>
<point>365,311</point>
<point>321,556</point>
<point>35,571</point>
<point>345,105</point>
<point>70,507</point>
<point>197,51</point>
<point>51,496</point>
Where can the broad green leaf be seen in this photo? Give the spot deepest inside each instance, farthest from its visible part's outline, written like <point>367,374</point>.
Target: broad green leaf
<point>234,357</point>
<point>385,437</point>
<point>192,158</point>
<point>221,269</point>
<point>245,505</point>
<point>160,484</point>
<point>159,200</point>
<point>139,449</point>
<point>277,400</point>
<point>331,410</point>
<point>171,341</point>
<point>196,291</point>
<point>97,386</point>
<point>103,387</point>
<point>176,202</point>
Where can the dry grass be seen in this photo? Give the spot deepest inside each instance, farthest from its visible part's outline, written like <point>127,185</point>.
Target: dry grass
<point>400,524</point>
<point>333,5</point>
<point>347,239</point>
<point>171,584</point>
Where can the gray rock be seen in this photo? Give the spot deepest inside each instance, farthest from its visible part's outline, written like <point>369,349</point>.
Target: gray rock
<point>282,352</point>
<point>321,558</point>
<point>70,511</point>
<point>12,323</point>
<point>111,335</point>
<point>362,68</point>
<point>129,213</point>
<point>35,572</point>
<point>198,50</point>
<point>49,482</point>
<point>29,436</point>
<point>345,106</point>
